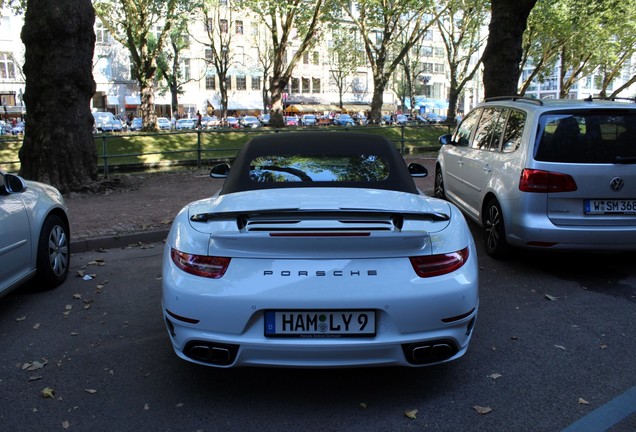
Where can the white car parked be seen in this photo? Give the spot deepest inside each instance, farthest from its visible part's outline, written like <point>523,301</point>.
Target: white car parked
<point>34,234</point>
<point>319,251</point>
<point>545,174</point>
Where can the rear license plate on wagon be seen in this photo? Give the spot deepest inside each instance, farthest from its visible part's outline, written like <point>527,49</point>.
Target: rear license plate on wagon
<point>611,206</point>
<point>320,324</point>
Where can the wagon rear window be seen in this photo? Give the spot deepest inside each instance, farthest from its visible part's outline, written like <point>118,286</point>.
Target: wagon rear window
<point>587,136</point>
<point>319,168</point>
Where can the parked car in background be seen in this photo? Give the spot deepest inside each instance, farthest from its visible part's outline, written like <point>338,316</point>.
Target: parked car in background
<point>434,118</point>
<point>325,120</point>
<point>291,121</point>
<point>34,234</point>
<point>136,124</point>
<point>264,119</point>
<point>308,120</point>
<point>106,122</point>
<point>319,251</point>
<point>211,122</point>
<point>544,174</point>
<point>163,123</point>
<point>344,120</point>
<point>18,129</point>
<point>232,122</point>
<point>401,120</point>
<point>420,120</point>
<point>186,124</point>
<point>250,122</point>
<point>361,119</point>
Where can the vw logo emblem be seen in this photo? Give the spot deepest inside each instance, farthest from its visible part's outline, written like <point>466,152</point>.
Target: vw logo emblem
<point>616,184</point>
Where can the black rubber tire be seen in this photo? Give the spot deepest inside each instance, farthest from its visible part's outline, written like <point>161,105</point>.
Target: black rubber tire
<point>439,191</point>
<point>54,253</point>
<point>494,230</point>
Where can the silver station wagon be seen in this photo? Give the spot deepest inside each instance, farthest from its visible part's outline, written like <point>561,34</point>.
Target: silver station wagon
<point>545,174</point>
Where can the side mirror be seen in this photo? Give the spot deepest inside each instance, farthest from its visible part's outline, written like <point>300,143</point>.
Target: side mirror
<point>220,171</point>
<point>417,170</point>
<point>14,183</point>
<point>446,139</point>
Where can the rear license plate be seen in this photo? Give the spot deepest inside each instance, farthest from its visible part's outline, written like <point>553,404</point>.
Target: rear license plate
<point>613,206</point>
<point>319,324</point>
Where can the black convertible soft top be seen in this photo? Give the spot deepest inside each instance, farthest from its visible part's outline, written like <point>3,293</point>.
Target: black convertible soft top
<point>318,144</point>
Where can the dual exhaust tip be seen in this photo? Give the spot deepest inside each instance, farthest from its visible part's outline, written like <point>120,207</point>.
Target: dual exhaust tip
<point>416,354</point>
<point>429,352</point>
<point>213,353</point>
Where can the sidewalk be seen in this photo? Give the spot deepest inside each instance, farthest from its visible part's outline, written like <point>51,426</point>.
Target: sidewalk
<point>132,208</point>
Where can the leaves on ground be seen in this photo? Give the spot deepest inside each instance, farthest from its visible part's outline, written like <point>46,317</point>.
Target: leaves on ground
<point>494,376</point>
<point>482,410</point>
<point>582,401</point>
<point>48,393</point>
<point>551,298</point>
<point>412,414</point>
<point>34,365</point>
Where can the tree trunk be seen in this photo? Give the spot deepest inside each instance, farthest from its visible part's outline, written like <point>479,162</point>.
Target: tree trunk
<point>502,56</point>
<point>58,146</point>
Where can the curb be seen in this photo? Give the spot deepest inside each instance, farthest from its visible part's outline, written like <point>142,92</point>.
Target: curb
<point>117,241</point>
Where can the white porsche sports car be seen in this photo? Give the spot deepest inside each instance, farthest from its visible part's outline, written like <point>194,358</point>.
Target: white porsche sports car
<point>319,251</point>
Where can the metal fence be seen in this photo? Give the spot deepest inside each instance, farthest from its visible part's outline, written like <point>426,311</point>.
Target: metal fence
<point>123,151</point>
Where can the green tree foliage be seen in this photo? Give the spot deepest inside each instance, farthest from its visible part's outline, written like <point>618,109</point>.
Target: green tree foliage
<point>389,29</point>
<point>344,57</point>
<point>217,17</point>
<point>461,30</point>
<point>580,39</point>
<point>290,24</point>
<point>169,63</point>
<point>143,26</point>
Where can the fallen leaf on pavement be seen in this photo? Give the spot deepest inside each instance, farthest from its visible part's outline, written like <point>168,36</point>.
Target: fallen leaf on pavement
<point>583,401</point>
<point>412,414</point>
<point>91,391</point>
<point>482,410</point>
<point>65,424</point>
<point>48,393</point>
<point>34,365</point>
<point>494,376</point>
<point>551,298</point>
<point>22,318</point>
<point>561,347</point>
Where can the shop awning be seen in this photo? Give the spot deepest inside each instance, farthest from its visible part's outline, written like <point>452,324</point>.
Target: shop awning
<point>112,100</point>
<point>132,101</point>
<point>239,102</point>
<point>355,107</point>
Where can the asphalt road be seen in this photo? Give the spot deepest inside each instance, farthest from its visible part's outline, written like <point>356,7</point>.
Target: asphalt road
<point>553,350</point>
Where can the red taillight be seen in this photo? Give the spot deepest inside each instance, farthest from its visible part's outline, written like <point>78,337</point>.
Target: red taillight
<point>545,181</point>
<point>200,265</point>
<point>436,265</point>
